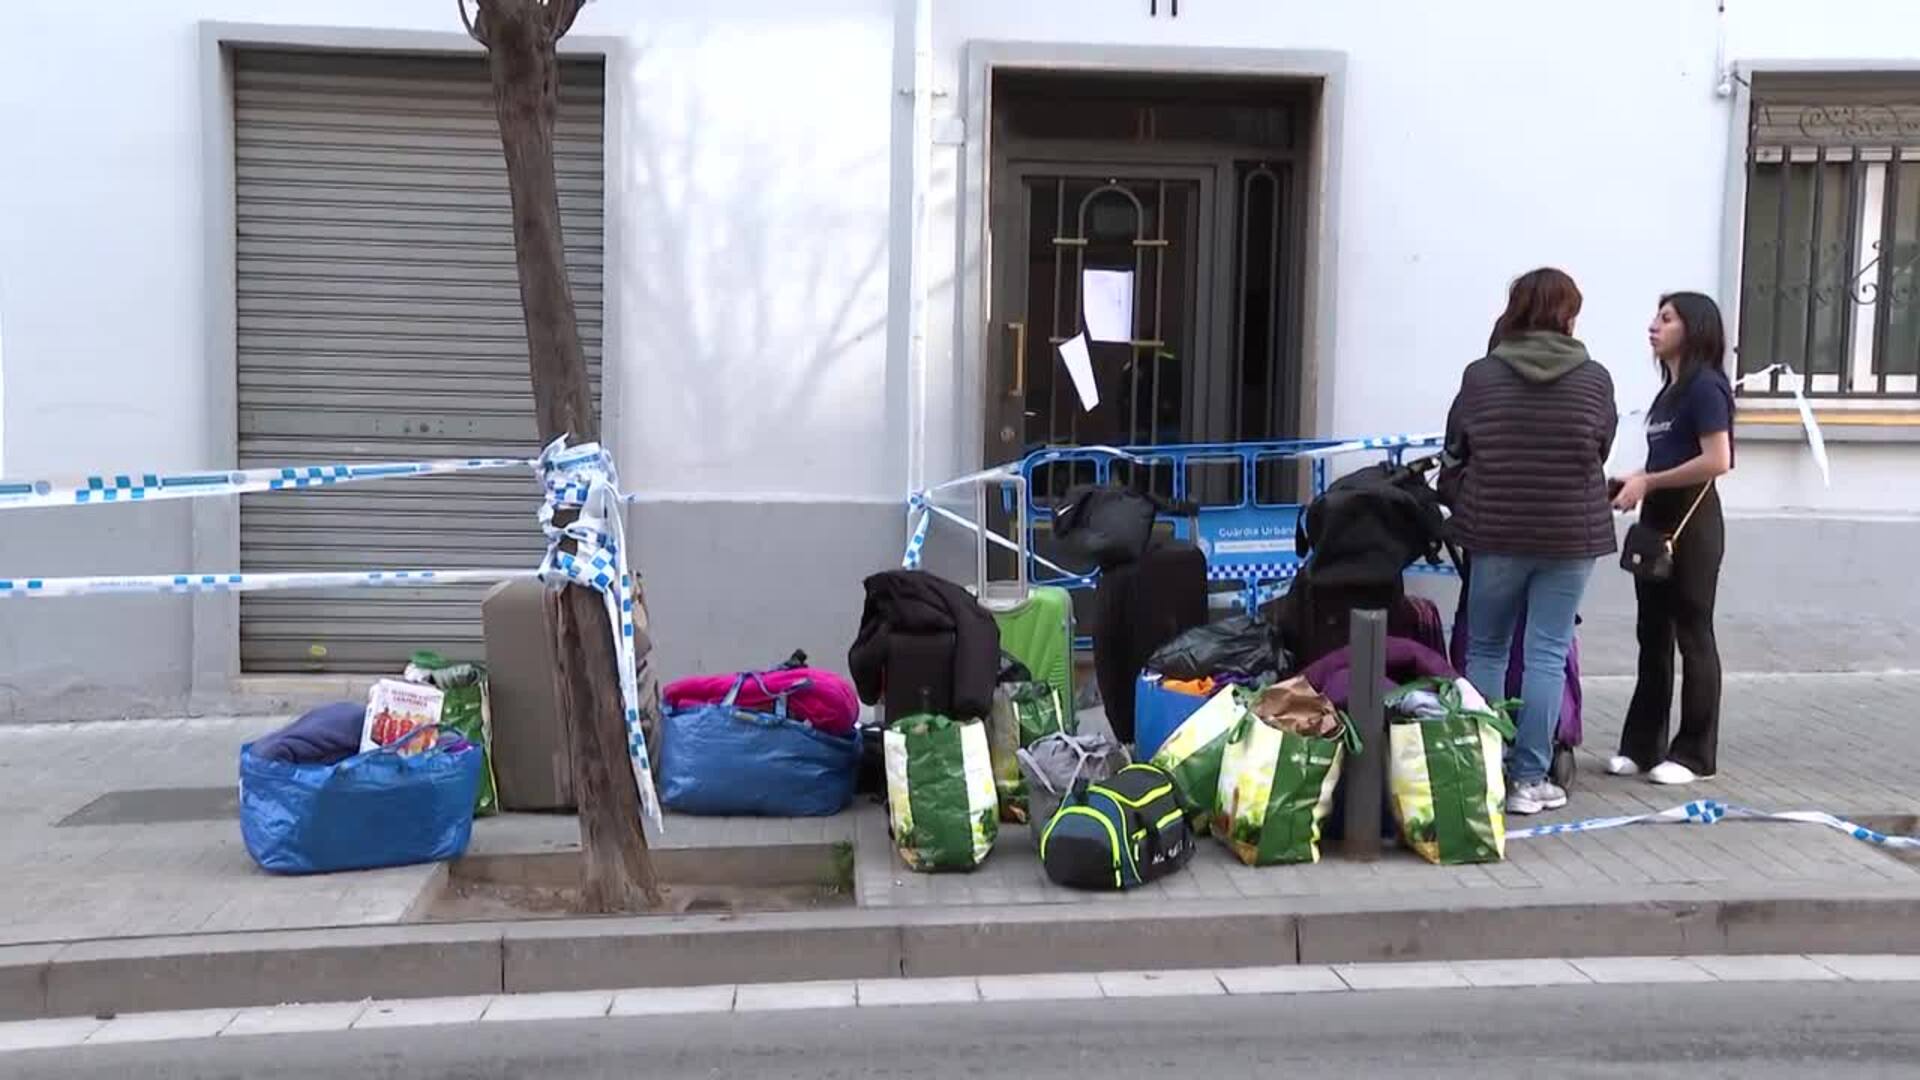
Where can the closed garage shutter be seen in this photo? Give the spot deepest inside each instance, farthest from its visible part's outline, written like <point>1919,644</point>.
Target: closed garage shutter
<point>379,319</point>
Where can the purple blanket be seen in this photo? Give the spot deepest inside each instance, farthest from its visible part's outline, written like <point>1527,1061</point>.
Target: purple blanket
<point>1332,674</point>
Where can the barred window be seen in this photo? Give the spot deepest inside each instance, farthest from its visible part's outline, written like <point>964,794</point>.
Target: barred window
<point>1829,282</point>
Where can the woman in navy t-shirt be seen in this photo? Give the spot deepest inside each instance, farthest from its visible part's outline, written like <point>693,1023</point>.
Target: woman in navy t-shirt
<point>1689,446</point>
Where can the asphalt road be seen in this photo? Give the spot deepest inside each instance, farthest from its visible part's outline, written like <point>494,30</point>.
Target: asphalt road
<point>1751,1031</point>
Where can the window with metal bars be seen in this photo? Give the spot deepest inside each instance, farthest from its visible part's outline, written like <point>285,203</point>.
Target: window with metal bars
<point>1830,268</point>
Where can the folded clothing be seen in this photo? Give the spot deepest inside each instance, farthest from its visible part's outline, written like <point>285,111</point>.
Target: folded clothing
<point>324,736</point>
<point>818,698</point>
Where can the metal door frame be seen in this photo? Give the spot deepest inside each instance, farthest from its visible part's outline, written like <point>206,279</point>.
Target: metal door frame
<point>1321,165</point>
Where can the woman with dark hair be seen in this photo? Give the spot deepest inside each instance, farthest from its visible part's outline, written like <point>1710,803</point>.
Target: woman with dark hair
<point>1689,446</point>
<point>1526,445</point>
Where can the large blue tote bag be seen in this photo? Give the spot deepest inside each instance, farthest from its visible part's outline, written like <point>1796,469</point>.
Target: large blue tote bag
<point>380,808</point>
<point>724,760</point>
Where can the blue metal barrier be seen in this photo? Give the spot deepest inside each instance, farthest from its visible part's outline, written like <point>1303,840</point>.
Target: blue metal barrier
<point>1248,542</point>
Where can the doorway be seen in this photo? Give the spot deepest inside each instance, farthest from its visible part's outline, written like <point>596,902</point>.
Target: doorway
<point>1178,203</point>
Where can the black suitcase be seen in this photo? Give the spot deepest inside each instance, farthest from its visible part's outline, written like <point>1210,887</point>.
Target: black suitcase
<point>1138,607</point>
<point>1314,619</point>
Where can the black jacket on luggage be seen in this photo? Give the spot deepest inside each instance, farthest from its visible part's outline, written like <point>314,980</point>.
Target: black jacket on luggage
<point>916,604</point>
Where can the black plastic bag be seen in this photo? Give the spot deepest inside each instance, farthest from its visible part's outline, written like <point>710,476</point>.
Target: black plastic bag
<point>1239,647</point>
<point>1109,525</point>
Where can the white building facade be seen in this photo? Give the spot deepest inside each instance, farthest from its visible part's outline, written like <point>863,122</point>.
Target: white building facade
<point>823,249</point>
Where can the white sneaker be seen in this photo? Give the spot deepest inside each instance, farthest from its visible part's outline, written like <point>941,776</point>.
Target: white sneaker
<point>1674,774</point>
<point>1622,765</point>
<point>1535,797</point>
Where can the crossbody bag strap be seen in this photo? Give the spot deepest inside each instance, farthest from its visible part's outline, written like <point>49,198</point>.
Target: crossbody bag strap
<point>1697,500</point>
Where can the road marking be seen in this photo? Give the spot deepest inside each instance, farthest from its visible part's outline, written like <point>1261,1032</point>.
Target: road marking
<point>29,1035</point>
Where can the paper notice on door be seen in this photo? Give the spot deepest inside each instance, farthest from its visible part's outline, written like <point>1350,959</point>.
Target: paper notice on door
<point>1108,302</point>
<point>1073,352</point>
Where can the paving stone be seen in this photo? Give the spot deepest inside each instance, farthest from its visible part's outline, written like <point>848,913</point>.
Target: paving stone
<point>1138,984</point>
<point>787,997</point>
<point>673,1001</point>
<point>1642,969</point>
<point>163,1027</point>
<point>553,1006</point>
<point>1401,976</point>
<point>887,992</point>
<point>423,1012</point>
<point>1765,969</point>
<point>994,988</point>
<point>294,1020</point>
<point>1872,968</point>
<point>47,1034</point>
<point>1492,973</point>
<point>1294,979</point>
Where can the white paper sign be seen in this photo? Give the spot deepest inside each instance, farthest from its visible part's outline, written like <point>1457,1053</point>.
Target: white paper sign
<point>1073,352</point>
<point>1108,296</point>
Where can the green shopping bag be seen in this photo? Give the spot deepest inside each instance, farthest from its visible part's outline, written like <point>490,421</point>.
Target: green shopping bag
<point>1445,748</point>
<point>1023,714</point>
<point>465,711</point>
<point>940,792</point>
<point>1193,753</point>
<point>1276,788</point>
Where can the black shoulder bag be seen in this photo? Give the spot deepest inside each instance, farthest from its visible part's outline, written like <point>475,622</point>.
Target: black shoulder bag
<point>1647,553</point>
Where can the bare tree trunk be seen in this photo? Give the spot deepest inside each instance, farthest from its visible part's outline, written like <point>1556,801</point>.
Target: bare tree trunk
<point>520,36</point>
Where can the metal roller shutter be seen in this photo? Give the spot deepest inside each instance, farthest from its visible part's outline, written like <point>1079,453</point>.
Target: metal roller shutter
<point>379,319</point>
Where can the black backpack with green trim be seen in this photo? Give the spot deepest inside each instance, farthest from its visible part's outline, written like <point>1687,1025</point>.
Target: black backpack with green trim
<point>1117,833</point>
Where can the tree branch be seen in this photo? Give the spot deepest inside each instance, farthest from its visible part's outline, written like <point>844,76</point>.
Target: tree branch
<point>561,14</point>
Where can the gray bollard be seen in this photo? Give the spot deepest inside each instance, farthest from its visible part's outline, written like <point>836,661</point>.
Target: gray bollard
<point>1366,708</point>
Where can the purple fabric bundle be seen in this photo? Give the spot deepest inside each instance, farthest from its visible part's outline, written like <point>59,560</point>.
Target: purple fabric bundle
<point>1332,674</point>
<point>815,697</point>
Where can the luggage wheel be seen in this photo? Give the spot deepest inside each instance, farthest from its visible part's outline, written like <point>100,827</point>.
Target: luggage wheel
<point>1563,768</point>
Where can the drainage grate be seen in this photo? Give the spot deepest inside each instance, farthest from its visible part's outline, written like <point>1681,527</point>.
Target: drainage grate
<point>158,806</point>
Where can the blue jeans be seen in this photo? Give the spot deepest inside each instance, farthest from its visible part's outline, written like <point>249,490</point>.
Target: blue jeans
<point>1548,591</point>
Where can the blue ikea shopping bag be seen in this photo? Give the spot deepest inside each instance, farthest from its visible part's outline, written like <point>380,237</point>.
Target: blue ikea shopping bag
<point>380,808</point>
<point>1157,713</point>
<point>724,760</point>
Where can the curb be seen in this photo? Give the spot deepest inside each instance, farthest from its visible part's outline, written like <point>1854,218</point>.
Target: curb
<point>243,970</point>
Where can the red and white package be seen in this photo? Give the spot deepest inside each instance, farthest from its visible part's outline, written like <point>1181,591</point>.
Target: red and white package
<point>395,710</point>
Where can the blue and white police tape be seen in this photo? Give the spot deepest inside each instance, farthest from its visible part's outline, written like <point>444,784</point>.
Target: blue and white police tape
<point>1709,812</point>
<point>154,487</point>
<point>582,480</point>
<point>1816,440</point>
<point>923,511</point>
<point>236,583</point>
<point>921,516</point>
<point>1279,577</point>
<point>1383,442</point>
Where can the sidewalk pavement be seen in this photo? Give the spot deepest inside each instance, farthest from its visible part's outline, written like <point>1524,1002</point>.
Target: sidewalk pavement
<point>1840,743</point>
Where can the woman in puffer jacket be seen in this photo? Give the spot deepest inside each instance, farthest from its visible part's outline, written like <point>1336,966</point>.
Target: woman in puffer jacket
<point>1527,439</point>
